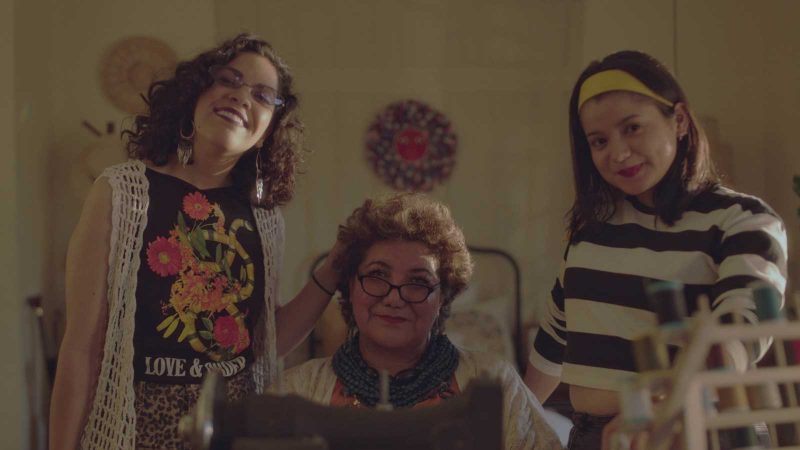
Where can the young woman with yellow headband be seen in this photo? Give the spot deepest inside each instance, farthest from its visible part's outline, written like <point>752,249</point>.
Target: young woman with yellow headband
<point>648,206</point>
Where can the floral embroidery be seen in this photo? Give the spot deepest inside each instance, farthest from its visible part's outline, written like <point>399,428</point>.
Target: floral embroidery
<point>196,206</point>
<point>225,331</point>
<point>164,256</point>
<point>205,293</point>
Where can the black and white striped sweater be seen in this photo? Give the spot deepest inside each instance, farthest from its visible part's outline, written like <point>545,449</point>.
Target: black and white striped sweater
<point>723,242</point>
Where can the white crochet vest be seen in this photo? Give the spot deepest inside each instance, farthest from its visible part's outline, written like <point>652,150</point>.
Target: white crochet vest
<point>112,419</point>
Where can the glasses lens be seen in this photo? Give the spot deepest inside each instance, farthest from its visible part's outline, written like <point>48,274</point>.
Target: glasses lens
<point>414,293</point>
<point>266,96</point>
<point>225,76</point>
<point>375,286</point>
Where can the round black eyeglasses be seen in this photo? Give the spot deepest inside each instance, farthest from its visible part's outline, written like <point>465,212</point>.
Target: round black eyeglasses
<point>409,292</point>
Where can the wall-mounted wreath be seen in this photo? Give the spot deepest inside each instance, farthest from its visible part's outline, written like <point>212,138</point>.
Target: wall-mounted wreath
<point>411,146</point>
<point>130,65</point>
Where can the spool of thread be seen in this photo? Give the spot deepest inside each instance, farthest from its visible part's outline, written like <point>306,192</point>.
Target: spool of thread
<point>708,399</point>
<point>764,396</point>
<point>742,438</point>
<point>768,302</point>
<point>793,308</point>
<point>792,352</point>
<point>668,302</point>
<point>636,404</point>
<point>650,353</point>
<point>786,434</point>
<point>732,398</point>
<point>717,359</point>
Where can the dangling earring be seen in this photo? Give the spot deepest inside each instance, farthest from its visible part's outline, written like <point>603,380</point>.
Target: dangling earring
<point>259,178</point>
<point>185,146</point>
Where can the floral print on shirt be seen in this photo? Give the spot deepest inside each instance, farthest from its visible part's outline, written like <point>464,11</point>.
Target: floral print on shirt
<point>201,254</point>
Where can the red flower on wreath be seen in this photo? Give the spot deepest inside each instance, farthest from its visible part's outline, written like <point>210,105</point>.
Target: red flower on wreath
<point>411,146</point>
<point>411,143</point>
<point>164,256</point>
<point>196,205</point>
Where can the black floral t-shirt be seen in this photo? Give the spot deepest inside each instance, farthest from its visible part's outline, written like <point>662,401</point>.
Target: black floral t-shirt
<point>200,285</point>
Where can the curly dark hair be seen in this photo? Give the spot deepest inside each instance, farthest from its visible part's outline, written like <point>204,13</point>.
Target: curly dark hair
<point>691,173</point>
<point>156,133</point>
<point>408,217</point>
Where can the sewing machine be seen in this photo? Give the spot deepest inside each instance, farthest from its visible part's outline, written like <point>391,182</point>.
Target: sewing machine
<point>472,420</point>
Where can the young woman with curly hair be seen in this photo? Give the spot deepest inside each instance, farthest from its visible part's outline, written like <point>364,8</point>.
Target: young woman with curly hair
<point>403,261</point>
<point>172,269</point>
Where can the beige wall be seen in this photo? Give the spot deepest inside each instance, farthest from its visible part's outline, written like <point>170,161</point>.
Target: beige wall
<point>13,414</point>
<point>501,71</point>
<point>33,102</point>
<point>782,115</point>
<point>739,64</point>
<point>613,25</point>
<point>54,72</point>
<point>81,32</point>
<point>498,70</point>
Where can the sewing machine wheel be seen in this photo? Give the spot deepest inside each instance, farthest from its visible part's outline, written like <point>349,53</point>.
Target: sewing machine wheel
<point>197,428</point>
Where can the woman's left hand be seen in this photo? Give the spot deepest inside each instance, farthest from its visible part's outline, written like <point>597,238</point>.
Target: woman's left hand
<point>326,272</point>
<point>295,320</point>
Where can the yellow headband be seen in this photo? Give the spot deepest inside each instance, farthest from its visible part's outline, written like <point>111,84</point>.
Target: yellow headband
<point>615,80</point>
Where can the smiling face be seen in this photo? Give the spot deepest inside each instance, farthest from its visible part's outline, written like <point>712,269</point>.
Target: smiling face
<point>229,118</point>
<point>389,323</point>
<point>631,142</point>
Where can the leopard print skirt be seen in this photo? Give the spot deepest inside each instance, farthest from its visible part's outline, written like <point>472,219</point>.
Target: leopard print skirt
<point>159,408</point>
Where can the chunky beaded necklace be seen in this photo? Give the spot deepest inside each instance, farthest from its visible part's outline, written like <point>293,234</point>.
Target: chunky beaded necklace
<point>430,376</point>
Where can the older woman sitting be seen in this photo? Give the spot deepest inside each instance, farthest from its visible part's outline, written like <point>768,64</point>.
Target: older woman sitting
<point>402,262</point>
